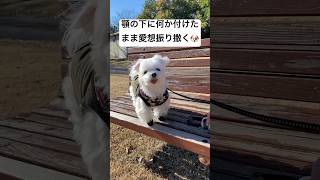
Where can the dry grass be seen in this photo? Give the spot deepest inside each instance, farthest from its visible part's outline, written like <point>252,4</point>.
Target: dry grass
<point>160,160</point>
<point>30,75</point>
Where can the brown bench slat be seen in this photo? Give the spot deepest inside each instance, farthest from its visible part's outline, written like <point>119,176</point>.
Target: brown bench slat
<point>262,161</point>
<point>205,43</point>
<point>186,128</point>
<point>171,122</point>
<point>264,7</point>
<point>231,148</point>
<point>189,88</point>
<point>188,71</point>
<point>46,120</point>
<point>291,88</point>
<point>294,110</point>
<point>191,79</point>
<point>242,170</point>
<point>174,120</point>
<point>52,112</point>
<point>172,136</point>
<point>37,128</point>
<point>38,140</point>
<point>190,62</point>
<point>191,106</point>
<point>293,30</point>
<point>203,96</point>
<point>178,115</point>
<point>266,47</point>
<point>295,149</point>
<point>181,104</point>
<point>189,53</point>
<point>278,138</point>
<point>278,61</point>
<point>185,114</point>
<point>43,157</point>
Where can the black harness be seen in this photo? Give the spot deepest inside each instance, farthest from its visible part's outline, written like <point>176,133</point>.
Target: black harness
<point>152,102</point>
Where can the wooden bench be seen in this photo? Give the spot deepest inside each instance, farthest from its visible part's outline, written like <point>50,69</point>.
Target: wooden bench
<point>266,59</point>
<point>40,145</point>
<point>188,73</point>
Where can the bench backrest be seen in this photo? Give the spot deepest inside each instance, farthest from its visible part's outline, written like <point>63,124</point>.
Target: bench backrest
<point>188,70</point>
<point>268,54</point>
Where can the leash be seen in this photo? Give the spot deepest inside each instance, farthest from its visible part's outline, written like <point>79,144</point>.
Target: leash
<point>302,126</point>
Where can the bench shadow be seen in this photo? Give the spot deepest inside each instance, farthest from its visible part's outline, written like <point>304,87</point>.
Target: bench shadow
<point>174,163</point>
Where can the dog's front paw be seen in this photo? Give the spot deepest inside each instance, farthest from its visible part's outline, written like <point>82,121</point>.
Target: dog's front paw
<point>150,123</point>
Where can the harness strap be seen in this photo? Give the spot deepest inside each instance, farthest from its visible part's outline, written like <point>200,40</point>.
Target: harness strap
<point>103,102</point>
<point>288,123</point>
<point>156,102</point>
<point>100,102</point>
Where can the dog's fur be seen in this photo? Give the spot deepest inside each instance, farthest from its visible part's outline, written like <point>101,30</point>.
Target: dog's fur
<point>89,24</point>
<point>144,68</point>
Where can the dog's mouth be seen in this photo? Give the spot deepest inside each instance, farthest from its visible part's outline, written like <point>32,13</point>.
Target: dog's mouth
<point>153,81</point>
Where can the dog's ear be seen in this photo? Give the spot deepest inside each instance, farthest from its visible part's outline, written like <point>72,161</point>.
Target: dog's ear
<point>136,65</point>
<point>165,60</point>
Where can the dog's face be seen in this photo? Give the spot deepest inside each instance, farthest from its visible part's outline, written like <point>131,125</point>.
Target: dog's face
<point>152,71</point>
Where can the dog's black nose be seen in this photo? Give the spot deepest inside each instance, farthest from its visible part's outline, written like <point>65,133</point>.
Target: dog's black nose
<point>154,75</point>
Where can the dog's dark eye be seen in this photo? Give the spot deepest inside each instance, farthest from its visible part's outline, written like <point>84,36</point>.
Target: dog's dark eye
<point>145,72</point>
<point>158,69</point>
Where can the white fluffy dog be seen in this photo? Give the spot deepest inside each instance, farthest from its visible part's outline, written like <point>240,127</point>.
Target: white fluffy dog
<point>86,86</point>
<point>148,89</point>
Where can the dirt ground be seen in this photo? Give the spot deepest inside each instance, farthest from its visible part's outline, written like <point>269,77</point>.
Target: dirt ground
<point>30,78</point>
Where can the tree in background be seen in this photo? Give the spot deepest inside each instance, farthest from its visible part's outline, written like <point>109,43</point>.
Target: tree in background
<point>203,14</point>
<point>179,9</point>
<point>125,14</point>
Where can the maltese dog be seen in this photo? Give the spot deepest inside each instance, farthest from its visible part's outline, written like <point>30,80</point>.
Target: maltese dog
<point>86,86</point>
<point>148,89</point>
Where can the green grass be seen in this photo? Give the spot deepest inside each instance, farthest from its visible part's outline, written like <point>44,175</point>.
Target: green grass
<point>32,8</point>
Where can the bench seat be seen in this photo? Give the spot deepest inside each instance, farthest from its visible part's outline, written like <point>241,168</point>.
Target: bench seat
<point>182,127</point>
<point>41,142</point>
<point>258,147</point>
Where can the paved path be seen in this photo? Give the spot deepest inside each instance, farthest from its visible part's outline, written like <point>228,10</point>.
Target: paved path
<point>119,70</point>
